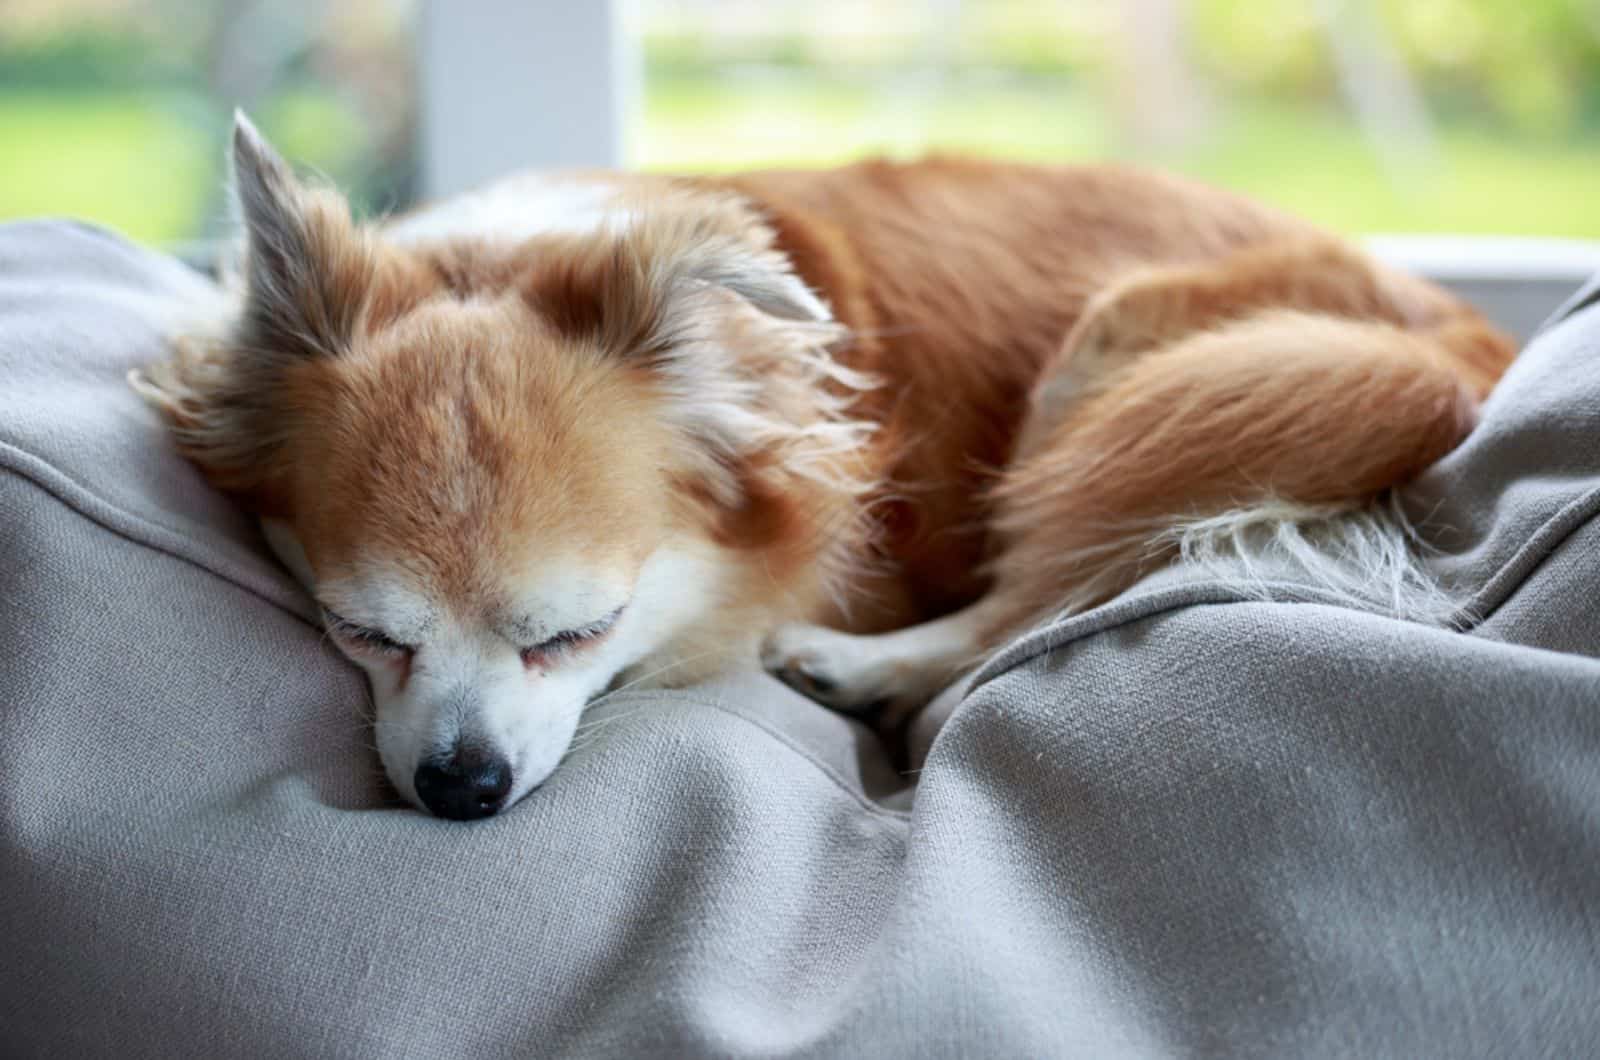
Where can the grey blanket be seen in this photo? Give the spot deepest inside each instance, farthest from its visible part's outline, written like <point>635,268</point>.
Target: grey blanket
<point>1182,824</point>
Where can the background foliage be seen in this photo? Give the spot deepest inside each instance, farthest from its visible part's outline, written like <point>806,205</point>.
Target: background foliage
<point>1416,115</point>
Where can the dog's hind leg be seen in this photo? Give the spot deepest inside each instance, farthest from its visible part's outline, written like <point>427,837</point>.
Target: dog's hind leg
<point>1283,406</point>
<point>1280,407</point>
<point>1150,307</point>
<point>1294,372</point>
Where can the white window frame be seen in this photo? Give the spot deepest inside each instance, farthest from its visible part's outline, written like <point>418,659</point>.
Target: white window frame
<point>517,84</point>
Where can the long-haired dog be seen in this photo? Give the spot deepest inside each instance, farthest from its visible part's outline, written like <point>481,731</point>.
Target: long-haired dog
<point>863,424</point>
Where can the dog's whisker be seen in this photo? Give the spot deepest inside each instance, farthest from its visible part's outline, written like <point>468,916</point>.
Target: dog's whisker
<point>686,660</point>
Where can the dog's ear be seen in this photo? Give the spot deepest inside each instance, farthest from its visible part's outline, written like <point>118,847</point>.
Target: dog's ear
<point>744,349</point>
<point>307,279</point>
<point>759,275</point>
<point>307,271</point>
<point>740,346</point>
<point>648,291</point>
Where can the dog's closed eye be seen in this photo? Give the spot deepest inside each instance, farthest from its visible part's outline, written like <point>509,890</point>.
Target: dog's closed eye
<point>552,648</point>
<point>364,638</point>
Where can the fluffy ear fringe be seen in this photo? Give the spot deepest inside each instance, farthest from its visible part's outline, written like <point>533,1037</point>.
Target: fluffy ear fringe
<point>308,276</point>
<point>223,419</point>
<point>742,353</point>
<point>742,349</point>
<point>745,357</point>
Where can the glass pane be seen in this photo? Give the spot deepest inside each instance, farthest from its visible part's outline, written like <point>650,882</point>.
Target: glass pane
<point>1366,115</point>
<point>118,111</point>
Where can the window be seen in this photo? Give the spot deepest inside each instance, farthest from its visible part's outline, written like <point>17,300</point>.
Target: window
<point>119,110</point>
<point>1367,115</point>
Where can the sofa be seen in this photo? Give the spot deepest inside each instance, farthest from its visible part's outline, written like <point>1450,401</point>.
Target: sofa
<point>1185,823</point>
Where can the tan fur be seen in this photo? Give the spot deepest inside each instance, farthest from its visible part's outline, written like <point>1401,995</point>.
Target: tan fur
<point>1161,349</point>
<point>1281,405</point>
<point>962,278</point>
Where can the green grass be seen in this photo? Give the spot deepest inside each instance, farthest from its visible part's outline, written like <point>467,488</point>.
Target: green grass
<point>1320,167</point>
<point>774,121</point>
<point>148,164</point>
<point>1301,158</point>
<point>131,161</point>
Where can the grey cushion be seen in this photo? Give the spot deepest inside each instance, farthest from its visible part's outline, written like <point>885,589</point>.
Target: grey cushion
<point>1181,823</point>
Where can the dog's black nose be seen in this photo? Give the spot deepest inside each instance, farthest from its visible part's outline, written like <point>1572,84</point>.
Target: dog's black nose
<point>470,784</point>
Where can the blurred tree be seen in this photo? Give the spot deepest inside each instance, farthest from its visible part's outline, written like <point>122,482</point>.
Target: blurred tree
<point>1531,65</point>
<point>1382,95</point>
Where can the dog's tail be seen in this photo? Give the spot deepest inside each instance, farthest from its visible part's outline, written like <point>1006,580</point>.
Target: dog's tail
<point>1369,556</point>
<point>1260,446</point>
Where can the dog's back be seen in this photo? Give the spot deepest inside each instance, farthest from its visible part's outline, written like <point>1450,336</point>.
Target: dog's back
<point>962,282</point>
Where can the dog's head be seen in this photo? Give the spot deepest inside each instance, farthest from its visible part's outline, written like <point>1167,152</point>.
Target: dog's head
<point>512,471</point>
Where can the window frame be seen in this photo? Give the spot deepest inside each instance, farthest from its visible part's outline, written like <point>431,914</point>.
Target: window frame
<point>517,84</point>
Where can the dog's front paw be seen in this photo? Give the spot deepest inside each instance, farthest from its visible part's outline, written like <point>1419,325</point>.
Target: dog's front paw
<point>836,669</point>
